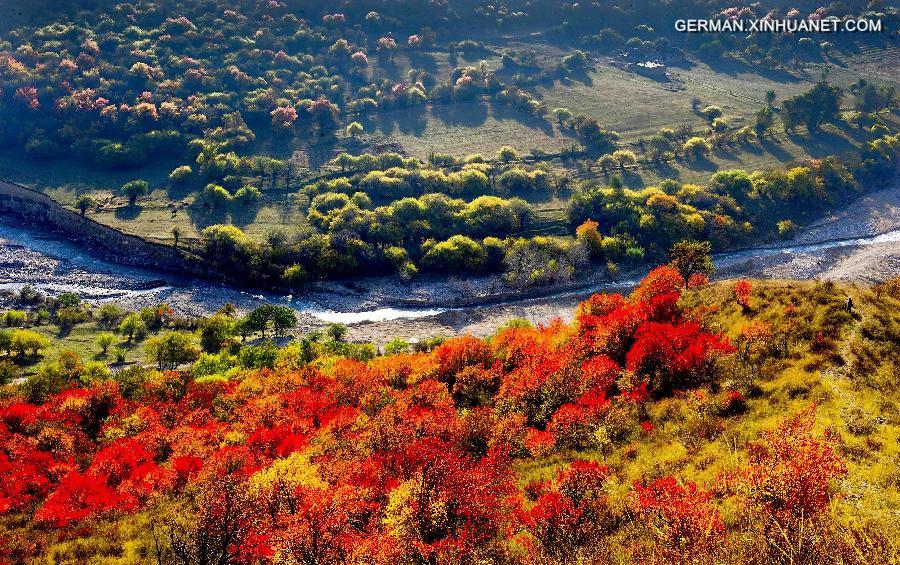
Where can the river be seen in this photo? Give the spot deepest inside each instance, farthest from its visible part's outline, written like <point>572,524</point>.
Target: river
<point>860,243</point>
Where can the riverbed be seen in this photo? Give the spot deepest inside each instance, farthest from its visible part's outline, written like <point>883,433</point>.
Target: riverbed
<point>858,243</point>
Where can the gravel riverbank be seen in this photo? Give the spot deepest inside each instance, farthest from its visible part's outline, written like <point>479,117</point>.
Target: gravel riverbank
<point>860,243</point>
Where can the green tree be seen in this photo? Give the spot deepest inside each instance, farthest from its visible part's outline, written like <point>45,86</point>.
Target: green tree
<point>459,253</point>
<point>711,113</point>
<point>691,257</point>
<point>507,154</point>
<point>354,129</point>
<point>133,326</point>
<point>278,318</point>
<point>336,332</point>
<point>562,114</point>
<point>135,189</point>
<point>14,318</point>
<point>216,196</point>
<point>624,157</point>
<point>607,162</point>
<point>131,380</point>
<point>764,119</point>
<point>821,104</point>
<point>215,331</point>
<point>294,276</point>
<point>68,300</point>
<point>84,203</point>
<point>395,346</point>
<point>283,319</point>
<point>575,60</point>
<point>104,340</point>
<point>696,148</point>
<point>171,349</point>
<point>109,316</point>
<point>53,378</point>
<point>27,342</point>
<point>181,174</point>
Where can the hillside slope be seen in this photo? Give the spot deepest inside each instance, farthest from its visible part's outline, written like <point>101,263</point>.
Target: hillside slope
<point>747,422</point>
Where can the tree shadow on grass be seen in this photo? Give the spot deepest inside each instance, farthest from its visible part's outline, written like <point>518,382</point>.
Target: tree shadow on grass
<point>700,164</point>
<point>751,148</point>
<point>468,114</point>
<point>775,150</point>
<point>824,143</point>
<point>203,216</point>
<point>581,76</point>
<point>727,154</point>
<point>180,190</point>
<point>25,363</point>
<point>664,169</point>
<point>383,123</point>
<point>320,150</point>
<point>531,121</point>
<point>414,122</point>
<point>244,215</point>
<point>387,68</point>
<point>733,67</point>
<point>423,61</point>
<point>633,179</point>
<point>129,212</point>
<point>858,135</point>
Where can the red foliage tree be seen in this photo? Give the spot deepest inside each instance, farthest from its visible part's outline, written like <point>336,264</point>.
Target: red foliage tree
<point>741,290</point>
<point>321,525</point>
<point>572,514</point>
<point>686,525</point>
<point>675,356</point>
<point>792,471</point>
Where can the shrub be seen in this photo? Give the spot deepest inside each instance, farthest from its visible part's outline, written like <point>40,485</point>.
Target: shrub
<point>133,327</point>
<point>14,318</point>
<point>104,340</point>
<point>741,291</point>
<point>8,372</point>
<point>135,189</point>
<point>181,174</point>
<point>786,229</point>
<point>684,522</point>
<point>696,148</point>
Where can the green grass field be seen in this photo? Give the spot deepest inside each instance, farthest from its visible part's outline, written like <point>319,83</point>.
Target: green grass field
<point>81,339</point>
<point>637,106</point>
<point>467,128</point>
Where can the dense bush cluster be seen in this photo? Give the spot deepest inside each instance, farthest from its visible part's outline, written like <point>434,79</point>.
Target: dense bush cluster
<point>394,214</point>
<point>316,457</point>
<point>735,207</point>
